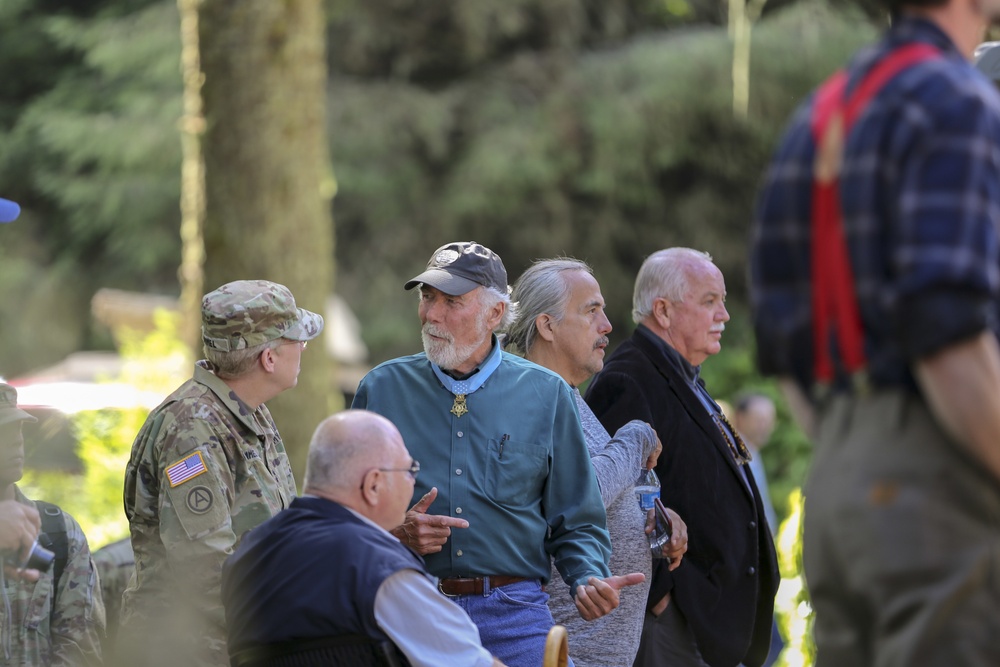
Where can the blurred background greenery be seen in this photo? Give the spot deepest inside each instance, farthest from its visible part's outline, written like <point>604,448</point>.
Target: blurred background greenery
<point>599,129</point>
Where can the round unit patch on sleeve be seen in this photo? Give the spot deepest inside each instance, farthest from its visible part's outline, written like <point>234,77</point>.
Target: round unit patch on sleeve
<point>200,499</point>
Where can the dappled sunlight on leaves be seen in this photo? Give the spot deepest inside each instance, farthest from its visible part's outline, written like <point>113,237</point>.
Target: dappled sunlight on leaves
<point>155,362</point>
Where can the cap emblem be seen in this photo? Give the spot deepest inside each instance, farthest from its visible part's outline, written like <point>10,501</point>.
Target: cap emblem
<point>446,257</point>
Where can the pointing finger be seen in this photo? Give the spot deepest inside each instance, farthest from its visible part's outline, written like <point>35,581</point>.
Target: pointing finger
<point>425,501</point>
<point>443,521</point>
<point>621,581</point>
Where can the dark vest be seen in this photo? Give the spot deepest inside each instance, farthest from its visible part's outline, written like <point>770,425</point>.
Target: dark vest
<point>310,572</point>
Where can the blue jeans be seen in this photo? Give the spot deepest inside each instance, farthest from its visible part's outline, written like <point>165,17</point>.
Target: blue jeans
<point>513,622</point>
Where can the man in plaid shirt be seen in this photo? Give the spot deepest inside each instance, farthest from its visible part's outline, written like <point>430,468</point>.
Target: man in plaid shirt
<point>888,352</point>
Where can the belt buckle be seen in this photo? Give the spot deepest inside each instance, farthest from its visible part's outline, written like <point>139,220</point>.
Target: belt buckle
<point>441,588</point>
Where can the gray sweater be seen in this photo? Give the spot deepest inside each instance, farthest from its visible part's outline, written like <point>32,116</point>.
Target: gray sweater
<point>612,641</point>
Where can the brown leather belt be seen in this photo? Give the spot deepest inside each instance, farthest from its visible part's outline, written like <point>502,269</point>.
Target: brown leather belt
<point>476,585</point>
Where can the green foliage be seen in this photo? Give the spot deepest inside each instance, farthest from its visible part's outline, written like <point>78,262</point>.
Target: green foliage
<point>791,604</point>
<point>605,155</point>
<point>435,44</point>
<point>93,498</point>
<point>104,438</point>
<point>105,143</point>
<point>573,127</point>
<point>94,158</point>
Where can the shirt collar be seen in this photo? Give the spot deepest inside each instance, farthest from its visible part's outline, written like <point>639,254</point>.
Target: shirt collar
<point>689,372</point>
<point>370,522</point>
<point>911,28</point>
<point>360,516</point>
<point>477,378</point>
<point>203,374</point>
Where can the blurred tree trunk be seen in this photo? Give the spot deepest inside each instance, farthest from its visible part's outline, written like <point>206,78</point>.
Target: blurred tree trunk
<point>191,272</point>
<point>267,173</point>
<point>742,15</point>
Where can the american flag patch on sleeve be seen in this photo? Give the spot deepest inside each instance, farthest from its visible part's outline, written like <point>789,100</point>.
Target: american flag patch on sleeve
<point>190,466</point>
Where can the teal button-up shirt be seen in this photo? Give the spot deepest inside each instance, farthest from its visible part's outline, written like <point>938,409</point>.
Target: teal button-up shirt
<point>533,497</point>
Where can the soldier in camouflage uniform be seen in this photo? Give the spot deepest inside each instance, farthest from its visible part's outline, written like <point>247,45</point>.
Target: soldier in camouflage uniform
<point>50,623</point>
<point>207,466</point>
<point>115,563</point>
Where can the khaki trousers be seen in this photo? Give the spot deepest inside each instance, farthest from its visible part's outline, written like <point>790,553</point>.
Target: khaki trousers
<point>902,540</point>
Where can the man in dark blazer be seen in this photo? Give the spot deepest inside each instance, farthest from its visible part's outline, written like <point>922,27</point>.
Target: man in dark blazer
<point>716,608</point>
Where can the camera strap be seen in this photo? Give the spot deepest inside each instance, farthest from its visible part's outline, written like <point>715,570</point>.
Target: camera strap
<point>54,531</point>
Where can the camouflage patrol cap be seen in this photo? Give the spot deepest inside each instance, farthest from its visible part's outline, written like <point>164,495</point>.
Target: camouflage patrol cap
<point>9,412</point>
<point>246,313</point>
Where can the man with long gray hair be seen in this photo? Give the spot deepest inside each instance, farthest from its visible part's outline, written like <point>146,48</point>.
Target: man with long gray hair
<point>561,325</point>
<point>504,461</point>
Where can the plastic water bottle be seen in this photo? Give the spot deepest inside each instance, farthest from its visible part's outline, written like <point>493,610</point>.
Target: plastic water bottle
<point>647,488</point>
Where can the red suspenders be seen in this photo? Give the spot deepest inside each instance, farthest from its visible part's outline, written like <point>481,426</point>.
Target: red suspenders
<point>834,302</point>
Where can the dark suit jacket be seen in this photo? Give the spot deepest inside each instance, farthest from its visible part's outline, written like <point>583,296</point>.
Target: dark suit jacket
<point>726,584</point>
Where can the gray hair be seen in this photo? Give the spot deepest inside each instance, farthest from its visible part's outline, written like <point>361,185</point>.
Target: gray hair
<point>542,289</point>
<point>664,274</point>
<point>237,363</point>
<point>489,297</point>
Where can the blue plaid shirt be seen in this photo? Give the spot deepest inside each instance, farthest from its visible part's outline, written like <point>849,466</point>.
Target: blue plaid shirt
<point>920,193</point>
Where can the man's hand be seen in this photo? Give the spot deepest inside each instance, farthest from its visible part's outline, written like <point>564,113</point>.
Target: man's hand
<point>660,606</point>
<point>655,455</point>
<point>19,525</point>
<point>675,549</point>
<point>426,533</point>
<point>600,597</point>
<point>24,575</point>
<point>961,383</point>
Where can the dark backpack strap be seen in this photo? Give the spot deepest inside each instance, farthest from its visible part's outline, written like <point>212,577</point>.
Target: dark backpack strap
<point>836,317</point>
<point>54,538</point>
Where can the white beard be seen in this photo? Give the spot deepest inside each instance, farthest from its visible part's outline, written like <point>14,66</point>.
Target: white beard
<point>445,353</point>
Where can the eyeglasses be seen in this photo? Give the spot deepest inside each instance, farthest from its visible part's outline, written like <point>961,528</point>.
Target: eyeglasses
<point>414,469</point>
<point>301,343</point>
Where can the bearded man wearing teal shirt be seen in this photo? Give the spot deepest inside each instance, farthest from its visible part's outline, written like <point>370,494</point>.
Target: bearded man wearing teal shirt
<point>506,479</point>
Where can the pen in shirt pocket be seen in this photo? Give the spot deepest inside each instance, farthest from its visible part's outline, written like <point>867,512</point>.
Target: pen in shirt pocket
<point>504,439</point>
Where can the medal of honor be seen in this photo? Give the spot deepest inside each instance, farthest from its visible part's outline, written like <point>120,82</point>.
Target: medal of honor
<point>461,389</point>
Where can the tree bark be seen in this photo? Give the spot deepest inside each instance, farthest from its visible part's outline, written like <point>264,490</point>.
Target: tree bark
<point>267,173</point>
<point>742,15</point>
<point>192,125</point>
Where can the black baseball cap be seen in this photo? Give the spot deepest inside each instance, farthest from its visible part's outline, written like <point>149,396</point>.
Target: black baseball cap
<point>460,267</point>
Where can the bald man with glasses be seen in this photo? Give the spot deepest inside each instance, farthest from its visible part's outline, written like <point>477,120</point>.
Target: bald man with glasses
<point>326,580</point>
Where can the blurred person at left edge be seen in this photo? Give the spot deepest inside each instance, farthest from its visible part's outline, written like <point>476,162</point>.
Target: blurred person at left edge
<point>52,618</point>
